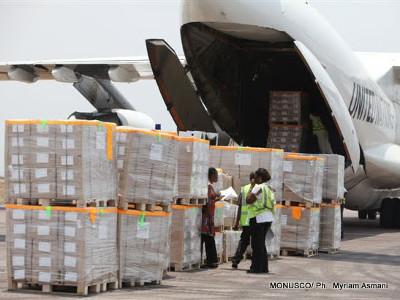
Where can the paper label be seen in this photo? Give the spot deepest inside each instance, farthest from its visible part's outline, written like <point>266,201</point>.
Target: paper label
<point>17,159</point>
<point>18,214</point>
<point>43,188</point>
<point>40,128</point>
<point>100,140</point>
<point>143,230</point>
<point>44,262</point>
<point>42,158</point>
<point>17,174</point>
<point>44,277</point>
<point>42,142</point>
<point>283,220</point>
<point>19,229</point>
<point>71,216</point>
<point>67,175</point>
<point>121,150</point>
<point>67,160</point>
<point>40,173</point>
<point>120,164</point>
<point>17,142</point>
<point>45,247</point>
<point>71,276</point>
<point>67,128</point>
<point>43,230</point>
<point>19,243</point>
<point>69,247</point>
<point>68,143</point>
<point>69,190</point>
<point>18,128</point>
<point>69,231</point>
<point>122,136</point>
<point>70,261</point>
<point>103,232</point>
<point>242,159</point>
<point>287,166</point>
<point>156,152</point>
<point>19,188</point>
<point>19,274</point>
<point>18,261</point>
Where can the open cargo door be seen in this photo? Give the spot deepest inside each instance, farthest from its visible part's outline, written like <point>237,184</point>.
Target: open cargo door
<point>330,93</point>
<point>178,93</point>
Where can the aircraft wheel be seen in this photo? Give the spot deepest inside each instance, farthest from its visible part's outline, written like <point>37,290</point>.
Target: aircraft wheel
<point>372,215</point>
<point>388,213</point>
<point>362,214</point>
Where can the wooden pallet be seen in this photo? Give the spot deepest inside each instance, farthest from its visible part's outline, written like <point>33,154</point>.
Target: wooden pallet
<point>329,251</point>
<point>333,201</point>
<point>300,204</point>
<point>184,201</point>
<point>298,252</point>
<point>179,267</point>
<point>63,202</point>
<point>138,283</point>
<point>82,290</point>
<point>128,205</point>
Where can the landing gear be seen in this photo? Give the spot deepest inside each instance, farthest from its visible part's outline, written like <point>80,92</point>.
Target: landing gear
<point>390,213</point>
<point>372,215</point>
<point>362,214</point>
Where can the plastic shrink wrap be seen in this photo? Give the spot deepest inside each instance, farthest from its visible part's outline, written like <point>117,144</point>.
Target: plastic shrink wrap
<point>60,160</point>
<point>330,228</point>
<point>219,245</point>
<point>239,162</point>
<point>185,235</point>
<point>225,214</point>
<point>333,182</point>
<point>274,245</point>
<point>224,181</point>
<point>149,169</point>
<point>143,238</point>
<point>193,161</point>
<point>61,246</point>
<point>302,178</point>
<point>300,228</point>
<point>231,241</point>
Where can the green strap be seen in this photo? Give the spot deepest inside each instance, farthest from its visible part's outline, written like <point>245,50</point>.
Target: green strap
<point>101,211</point>
<point>193,211</point>
<point>141,224</point>
<point>159,137</point>
<point>48,211</point>
<point>98,126</point>
<point>240,149</point>
<point>218,211</point>
<point>44,123</point>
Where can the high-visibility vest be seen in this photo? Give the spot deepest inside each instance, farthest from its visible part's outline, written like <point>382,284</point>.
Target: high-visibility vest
<point>267,203</point>
<point>244,220</point>
<point>318,127</point>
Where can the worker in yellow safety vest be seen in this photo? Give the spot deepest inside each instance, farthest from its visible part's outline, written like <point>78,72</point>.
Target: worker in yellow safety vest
<point>243,220</point>
<point>261,211</point>
<point>322,135</point>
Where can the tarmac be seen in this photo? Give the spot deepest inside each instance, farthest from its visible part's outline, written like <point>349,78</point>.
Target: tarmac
<point>368,255</point>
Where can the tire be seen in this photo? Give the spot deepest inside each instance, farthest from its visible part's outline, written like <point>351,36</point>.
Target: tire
<point>388,213</point>
<point>372,215</point>
<point>362,214</point>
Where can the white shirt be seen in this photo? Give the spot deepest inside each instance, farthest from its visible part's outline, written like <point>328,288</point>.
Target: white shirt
<point>265,216</point>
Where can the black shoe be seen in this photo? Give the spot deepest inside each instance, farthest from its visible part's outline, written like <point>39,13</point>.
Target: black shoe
<point>234,264</point>
<point>205,266</point>
<point>213,266</point>
<point>254,271</point>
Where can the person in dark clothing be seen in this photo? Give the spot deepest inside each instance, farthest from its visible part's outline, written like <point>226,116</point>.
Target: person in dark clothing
<point>207,226</point>
<point>243,220</point>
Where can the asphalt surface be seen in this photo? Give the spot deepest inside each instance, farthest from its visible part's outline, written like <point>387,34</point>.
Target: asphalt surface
<point>368,255</point>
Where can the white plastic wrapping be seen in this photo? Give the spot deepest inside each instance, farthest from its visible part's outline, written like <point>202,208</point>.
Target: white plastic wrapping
<point>61,246</point>
<point>73,160</point>
<point>143,239</point>
<point>225,214</point>
<point>193,161</point>
<point>219,245</point>
<point>330,230</point>
<point>240,162</point>
<point>224,181</point>
<point>300,228</point>
<point>333,182</point>
<point>274,245</point>
<point>185,235</point>
<point>302,179</point>
<point>231,241</point>
<point>149,169</point>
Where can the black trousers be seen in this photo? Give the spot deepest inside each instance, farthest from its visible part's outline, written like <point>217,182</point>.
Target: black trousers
<point>259,258</point>
<point>242,245</point>
<point>211,250</point>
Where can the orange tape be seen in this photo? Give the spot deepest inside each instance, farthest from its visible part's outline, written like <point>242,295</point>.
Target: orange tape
<point>246,149</point>
<point>109,143</point>
<point>186,139</point>
<point>220,204</point>
<point>147,132</point>
<point>139,213</point>
<point>330,205</point>
<point>279,206</point>
<point>303,157</point>
<point>310,208</point>
<point>186,206</point>
<point>296,213</point>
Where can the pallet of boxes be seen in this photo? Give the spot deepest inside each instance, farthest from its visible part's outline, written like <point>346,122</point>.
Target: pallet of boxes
<point>61,206</point>
<point>239,162</point>
<point>147,161</point>
<point>301,204</point>
<point>192,193</point>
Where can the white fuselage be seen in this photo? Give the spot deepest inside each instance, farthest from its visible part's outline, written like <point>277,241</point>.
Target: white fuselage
<point>373,115</point>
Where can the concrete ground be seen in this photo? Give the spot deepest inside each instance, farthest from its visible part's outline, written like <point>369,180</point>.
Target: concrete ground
<point>368,255</point>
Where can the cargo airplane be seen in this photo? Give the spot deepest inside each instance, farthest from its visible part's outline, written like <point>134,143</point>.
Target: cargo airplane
<point>236,52</point>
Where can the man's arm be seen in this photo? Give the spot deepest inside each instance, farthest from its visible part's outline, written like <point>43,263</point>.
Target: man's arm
<point>239,212</point>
